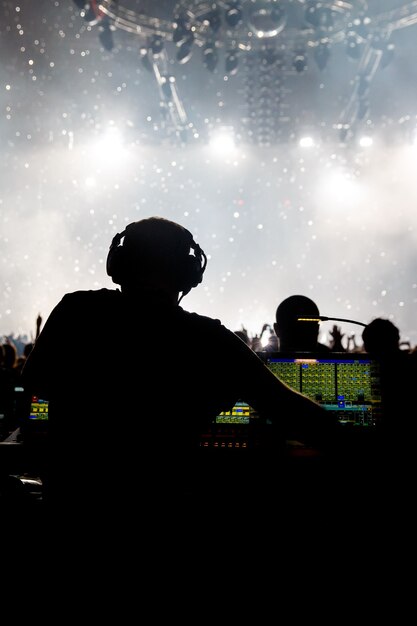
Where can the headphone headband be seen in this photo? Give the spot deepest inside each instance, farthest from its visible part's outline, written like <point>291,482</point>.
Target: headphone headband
<point>190,272</point>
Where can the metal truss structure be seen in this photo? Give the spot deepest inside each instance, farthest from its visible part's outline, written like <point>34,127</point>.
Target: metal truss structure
<point>281,32</point>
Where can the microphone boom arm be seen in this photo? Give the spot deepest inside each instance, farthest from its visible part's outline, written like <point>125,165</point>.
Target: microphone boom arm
<point>324,318</point>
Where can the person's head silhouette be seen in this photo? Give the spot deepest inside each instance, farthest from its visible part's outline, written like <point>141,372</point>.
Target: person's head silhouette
<point>158,255</point>
<point>295,335</point>
<point>381,336</point>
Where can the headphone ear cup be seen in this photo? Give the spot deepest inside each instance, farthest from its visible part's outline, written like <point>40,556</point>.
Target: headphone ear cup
<point>116,262</point>
<point>193,274</point>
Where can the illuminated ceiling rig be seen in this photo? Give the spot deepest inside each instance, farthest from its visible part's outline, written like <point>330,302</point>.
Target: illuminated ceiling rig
<point>279,36</point>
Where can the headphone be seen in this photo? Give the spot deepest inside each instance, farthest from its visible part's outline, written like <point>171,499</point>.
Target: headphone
<point>189,273</point>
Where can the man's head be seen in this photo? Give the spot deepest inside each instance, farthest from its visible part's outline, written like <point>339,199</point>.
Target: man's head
<point>156,253</point>
<point>295,335</point>
<point>381,336</point>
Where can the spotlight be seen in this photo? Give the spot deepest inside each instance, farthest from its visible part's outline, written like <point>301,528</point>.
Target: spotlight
<point>306,142</point>
<point>268,55</point>
<point>310,13</point>
<point>222,141</point>
<point>90,14</point>
<point>234,14</point>
<point>213,19</point>
<point>361,27</point>
<point>325,17</point>
<point>210,56</point>
<point>300,62</point>
<point>318,15</point>
<point>156,44</point>
<point>181,31</point>
<point>366,141</point>
<point>185,50</point>
<point>145,59</point>
<point>267,18</point>
<point>322,55</point>
<point>231,63</point>
<point>105,35</point>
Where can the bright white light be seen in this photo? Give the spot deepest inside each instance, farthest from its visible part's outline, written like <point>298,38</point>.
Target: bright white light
<point>223,143</point>
<point>366,141</point>
<point>264,340</point>
<point>90,182</point>
<point>338,189</point>
<point>110,146</point>
<point>306,142</point>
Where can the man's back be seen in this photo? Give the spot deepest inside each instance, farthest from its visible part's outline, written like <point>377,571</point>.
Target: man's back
<point>133,383</point>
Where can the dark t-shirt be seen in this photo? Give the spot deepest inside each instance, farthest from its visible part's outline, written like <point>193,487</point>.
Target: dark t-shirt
<point>133,382</point>
<point>104,351</point>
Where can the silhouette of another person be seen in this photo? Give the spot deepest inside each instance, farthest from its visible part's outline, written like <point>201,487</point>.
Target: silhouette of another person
<point>9,379</point>
<point>6,397</point>
<point>258,344</point>
<point>242,333</point>
<point>381,339</point>
<point>397,429</point>
<point>126,416</point>
<point>336,344</point>
<point>295,335</point>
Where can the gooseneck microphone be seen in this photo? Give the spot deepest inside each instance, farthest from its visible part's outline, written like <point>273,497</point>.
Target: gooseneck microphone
<point>324,318</point>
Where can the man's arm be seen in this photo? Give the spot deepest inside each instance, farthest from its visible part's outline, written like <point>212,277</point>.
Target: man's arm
<point>296,416</point>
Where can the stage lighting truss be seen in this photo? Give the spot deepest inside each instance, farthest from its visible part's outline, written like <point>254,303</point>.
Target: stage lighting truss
<point>245,24</point>
<point>240,24</point>
<point>173,114</point>
<point>227,31</point>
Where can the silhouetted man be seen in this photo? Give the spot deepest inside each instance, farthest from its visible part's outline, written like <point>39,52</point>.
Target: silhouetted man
<point>133,379</point>
<point>295,334</point>
<point>381,339</point>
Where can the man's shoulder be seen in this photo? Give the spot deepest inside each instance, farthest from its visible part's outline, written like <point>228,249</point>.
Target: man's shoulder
<point>91,294</point>
<point>215,334</point>
<point>89,297</point>
<point>201,322</point>
<point>197,318</point>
